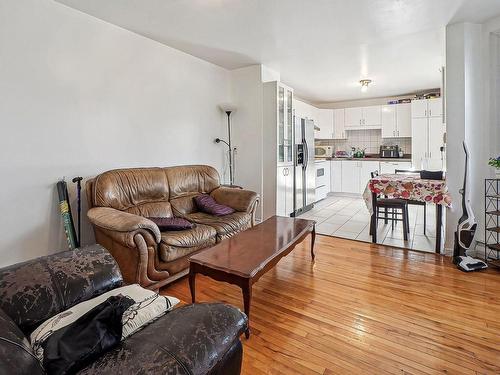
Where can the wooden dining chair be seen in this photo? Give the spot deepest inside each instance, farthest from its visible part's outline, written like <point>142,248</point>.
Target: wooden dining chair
<point>397,208</point>
<point>427,175</point>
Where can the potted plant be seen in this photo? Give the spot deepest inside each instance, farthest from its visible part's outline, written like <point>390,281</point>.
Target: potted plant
<point>495,163</point>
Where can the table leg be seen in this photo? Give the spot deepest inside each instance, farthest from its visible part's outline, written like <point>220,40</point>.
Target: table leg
<point>313,238</point>
<point>374,218</point>
<point>247,296</point>
<point>192,287</point>
<point>439,224</point>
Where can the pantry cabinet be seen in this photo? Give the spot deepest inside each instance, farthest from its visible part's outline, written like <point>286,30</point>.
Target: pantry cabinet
<point>427,134</point>
<point>363,117</point>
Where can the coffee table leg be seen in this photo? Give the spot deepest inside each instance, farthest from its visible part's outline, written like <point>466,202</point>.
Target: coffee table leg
<point>192,287</point>
<point>313,238</point>
<point>247,296</point>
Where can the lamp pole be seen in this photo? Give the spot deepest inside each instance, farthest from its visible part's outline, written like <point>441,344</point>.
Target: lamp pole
<point>231,178</point>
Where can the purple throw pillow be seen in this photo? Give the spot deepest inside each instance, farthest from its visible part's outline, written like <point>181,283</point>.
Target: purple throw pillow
<point>207,204</point>
<point>171,223</point>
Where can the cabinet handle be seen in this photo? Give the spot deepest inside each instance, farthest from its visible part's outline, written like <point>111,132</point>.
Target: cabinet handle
<point>430,112</point>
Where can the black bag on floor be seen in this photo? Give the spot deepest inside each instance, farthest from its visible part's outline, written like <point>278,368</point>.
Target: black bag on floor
<point>80,343</point>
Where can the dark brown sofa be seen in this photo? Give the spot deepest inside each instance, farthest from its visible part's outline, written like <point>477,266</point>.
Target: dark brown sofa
<point>192,340</point>
<point>121,200</point>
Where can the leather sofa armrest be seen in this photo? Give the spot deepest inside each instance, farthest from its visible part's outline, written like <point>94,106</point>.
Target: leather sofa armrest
<point>239,199</point>
<point>111,219</point>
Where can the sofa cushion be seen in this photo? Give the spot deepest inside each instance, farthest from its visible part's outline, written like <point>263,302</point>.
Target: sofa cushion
<point>188,340</point>
<point>171,223</point>
<point>225,226</point>
<point>208,204</point>
<point>177,244</point>
<point>148,306</point>
<point>189,179</point>
<point>140,191</point>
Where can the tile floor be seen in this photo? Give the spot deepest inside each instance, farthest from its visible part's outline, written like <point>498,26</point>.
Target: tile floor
<point>348,217</point>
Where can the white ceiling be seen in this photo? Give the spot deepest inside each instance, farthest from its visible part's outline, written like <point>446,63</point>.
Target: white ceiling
<point>321,48</point>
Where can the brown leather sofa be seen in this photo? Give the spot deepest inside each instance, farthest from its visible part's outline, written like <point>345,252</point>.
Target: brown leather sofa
<point>120,201</point>
<point>197,339</point>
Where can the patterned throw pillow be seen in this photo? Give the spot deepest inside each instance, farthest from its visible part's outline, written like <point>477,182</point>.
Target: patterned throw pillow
<point>207,204</point>
<point>171,223</point>
<point>148,307</point>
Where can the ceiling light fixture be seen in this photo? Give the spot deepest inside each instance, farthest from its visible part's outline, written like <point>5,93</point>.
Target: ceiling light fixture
<point>364,84</point>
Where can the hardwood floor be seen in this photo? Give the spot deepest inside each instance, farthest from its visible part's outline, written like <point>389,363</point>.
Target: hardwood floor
<point>366,309</point>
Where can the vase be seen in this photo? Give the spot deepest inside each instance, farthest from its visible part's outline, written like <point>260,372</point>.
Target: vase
<point>497,173</point>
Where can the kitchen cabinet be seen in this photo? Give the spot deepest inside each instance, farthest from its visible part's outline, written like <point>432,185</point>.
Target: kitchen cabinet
<point>424,108</point>
<point>277,149</point>
<point>350,176</point>
<point>365,170</point>
<point>391,166</point>
<point>396,120</point>
<point>372,115</point>
<point>427,134</point>
<point>325,124</point>
<point>339,124</point>
<point>363,117</point>
<point>284,196</point>
<point>335,176</point>
<point>353,117</point>
<point>389,121</point>
<point>356,174</point>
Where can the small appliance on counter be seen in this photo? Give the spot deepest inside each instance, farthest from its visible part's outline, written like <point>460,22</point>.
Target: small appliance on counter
<point>389,151</point>
<point>323,151</point>
<point>341,154</point>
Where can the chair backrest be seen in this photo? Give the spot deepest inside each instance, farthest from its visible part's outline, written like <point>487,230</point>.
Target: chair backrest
<point>431,175</point>
<point>33,291</point>
<point>406,171</point>
<point>374,174</point>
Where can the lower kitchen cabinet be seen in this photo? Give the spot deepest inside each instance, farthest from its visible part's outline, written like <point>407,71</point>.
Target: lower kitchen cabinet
<point>284,194</point>
<point>335,176</point>
<point>354,175</point>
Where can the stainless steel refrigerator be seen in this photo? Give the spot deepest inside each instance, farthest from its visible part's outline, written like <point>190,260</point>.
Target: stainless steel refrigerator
<point>304,171</point>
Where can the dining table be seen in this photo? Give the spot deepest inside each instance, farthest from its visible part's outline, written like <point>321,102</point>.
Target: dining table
<point>413,188</point>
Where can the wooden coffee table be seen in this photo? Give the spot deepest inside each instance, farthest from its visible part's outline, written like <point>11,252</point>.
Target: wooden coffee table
<point>242,259</point>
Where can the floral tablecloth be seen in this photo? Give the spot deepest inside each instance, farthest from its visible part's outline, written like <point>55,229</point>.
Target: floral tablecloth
<point>407,186</point>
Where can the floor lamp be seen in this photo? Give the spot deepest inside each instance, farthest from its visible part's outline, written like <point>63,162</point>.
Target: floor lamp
<point>228,109</point>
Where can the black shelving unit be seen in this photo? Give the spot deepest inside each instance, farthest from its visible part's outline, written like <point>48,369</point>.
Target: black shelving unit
<point>492,221</point>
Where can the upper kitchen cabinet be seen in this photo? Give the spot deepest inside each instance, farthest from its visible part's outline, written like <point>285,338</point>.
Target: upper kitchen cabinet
<point>324,125</point>
<point>396,120</point>
<point>427,108</point>
<point>353,117</point>
<point>389,121</point>
<point>372,116</point>
<point>403,119</point>
<point>339,124</point>
<point>363,117</point>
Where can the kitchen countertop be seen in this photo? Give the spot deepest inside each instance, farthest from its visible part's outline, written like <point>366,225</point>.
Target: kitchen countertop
<point>405,158</point>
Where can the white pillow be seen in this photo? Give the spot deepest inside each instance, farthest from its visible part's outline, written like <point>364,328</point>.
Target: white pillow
<point>148,307</point>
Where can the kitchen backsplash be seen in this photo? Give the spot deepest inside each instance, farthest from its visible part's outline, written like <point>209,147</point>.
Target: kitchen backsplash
<point>371,140</point>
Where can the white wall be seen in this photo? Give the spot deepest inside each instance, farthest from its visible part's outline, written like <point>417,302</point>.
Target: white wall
<point>79,96</point>
<point>247,131</point>
<point>471,99</point>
